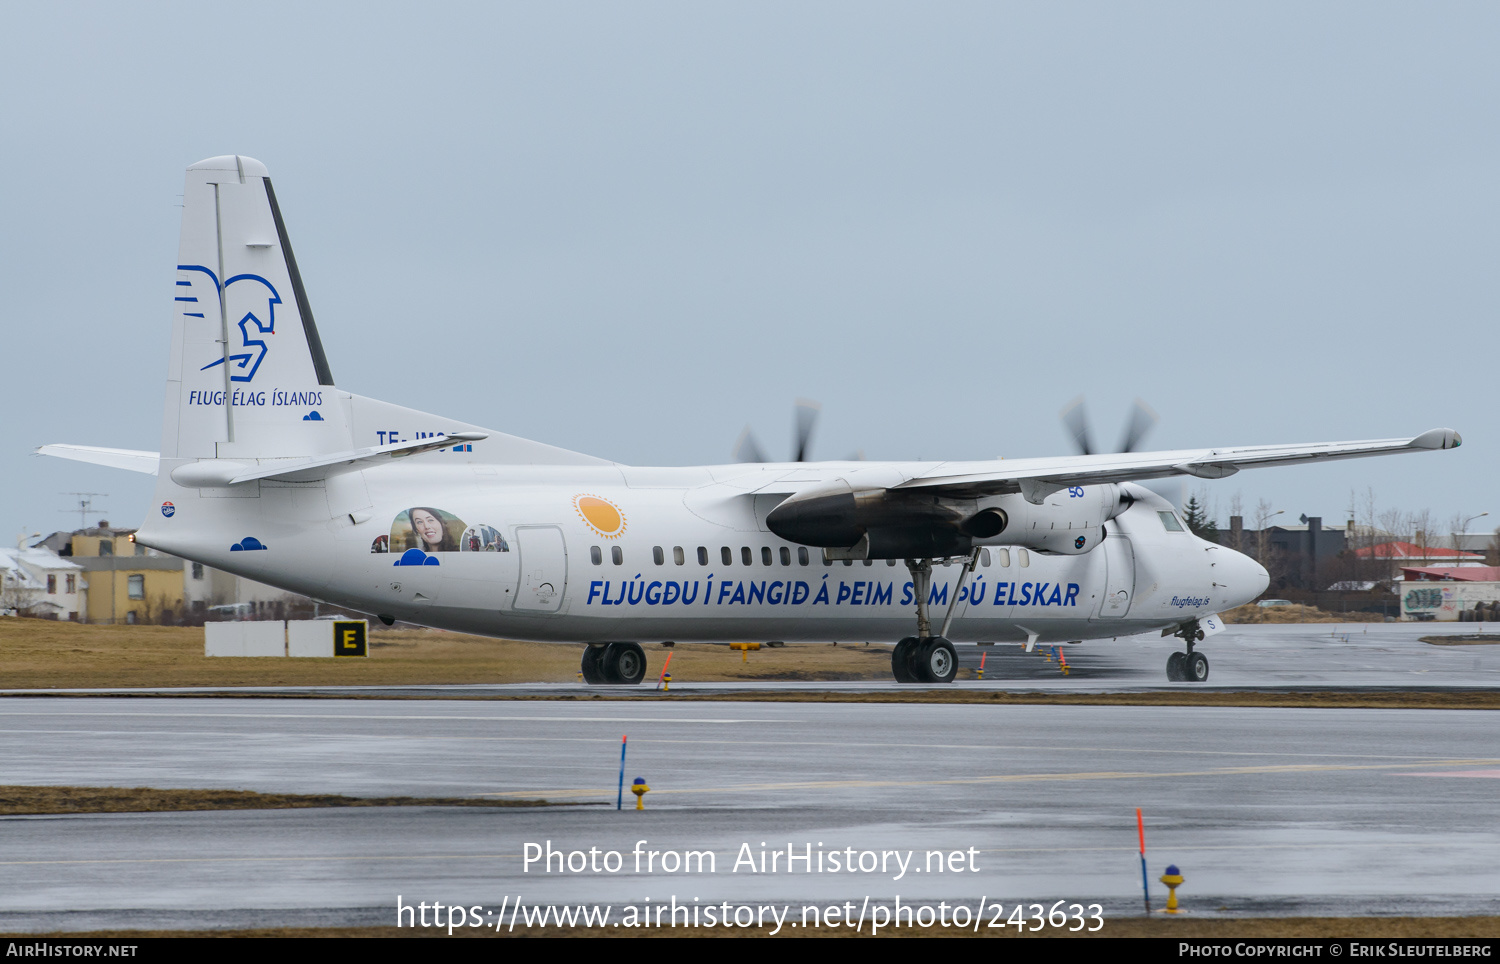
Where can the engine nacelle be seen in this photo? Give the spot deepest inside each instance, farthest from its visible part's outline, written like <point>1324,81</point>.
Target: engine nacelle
<point>1069,521</point>
<point>880,523</point>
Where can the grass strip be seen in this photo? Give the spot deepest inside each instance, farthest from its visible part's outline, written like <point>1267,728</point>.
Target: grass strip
<point>16,800</point>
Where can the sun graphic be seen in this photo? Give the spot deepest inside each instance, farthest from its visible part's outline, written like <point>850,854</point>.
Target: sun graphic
<point>601,515</point>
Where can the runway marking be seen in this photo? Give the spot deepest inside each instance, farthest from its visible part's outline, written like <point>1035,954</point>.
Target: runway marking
<point>1491,774</point>
<point>1004,778</point>
<point>1051,748</point>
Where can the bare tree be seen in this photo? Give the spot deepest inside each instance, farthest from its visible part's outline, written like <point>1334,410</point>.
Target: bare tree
<point>1237,508</point>
<point>1273,559</point>
<point>1423,523</point>
<point>16,597</point>
<point>1395,525</point>
<point>1456,530</point>
<point>1263,515</point>
<point>1368,514</point>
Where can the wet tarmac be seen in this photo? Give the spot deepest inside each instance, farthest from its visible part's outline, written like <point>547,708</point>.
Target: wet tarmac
<point>1266,811</point>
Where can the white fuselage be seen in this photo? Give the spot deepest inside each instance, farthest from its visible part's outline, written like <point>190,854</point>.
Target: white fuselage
<point>550,573</point>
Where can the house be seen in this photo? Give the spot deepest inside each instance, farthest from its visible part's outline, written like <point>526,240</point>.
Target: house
<point>127,583</point>
<point>1451,574</point>
<point>1404,555</point>
<point>37,582</point>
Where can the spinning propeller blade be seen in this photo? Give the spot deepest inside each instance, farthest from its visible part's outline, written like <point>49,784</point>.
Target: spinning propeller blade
<point>1142,418</point>
<point>747,449</point>
<point>805,418</point>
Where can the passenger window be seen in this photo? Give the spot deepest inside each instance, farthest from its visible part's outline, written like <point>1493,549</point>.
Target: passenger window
<point>595,556</point>
<point>984,557</point>
<point>1004,558</point>
<point>786,556</point>
<point>616,556</point>
<point>703,555</point>
<point>1169,520</point>
<point>891,563</point>
<point>746,556</point>
<point>765,555</point>
<point>677,555</point>
<point>869,562</point>
<point>727,554</point>
<point>1025,557</point>
<point>656,555</point>
<point>848,562</point>
<point>802,555</point>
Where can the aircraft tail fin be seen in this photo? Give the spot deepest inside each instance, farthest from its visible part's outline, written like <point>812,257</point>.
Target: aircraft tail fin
<point>248,379</point>
<point>248,374</point>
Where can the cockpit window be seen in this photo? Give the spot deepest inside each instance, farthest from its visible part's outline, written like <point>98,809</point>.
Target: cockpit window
<point>1169,521</point>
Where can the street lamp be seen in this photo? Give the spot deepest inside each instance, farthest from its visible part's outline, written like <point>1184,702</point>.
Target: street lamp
<point>1260,536</point>
<point>1464,530</point>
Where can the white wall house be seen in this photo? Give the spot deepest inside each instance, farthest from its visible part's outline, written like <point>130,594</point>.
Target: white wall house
<point>40,583</point>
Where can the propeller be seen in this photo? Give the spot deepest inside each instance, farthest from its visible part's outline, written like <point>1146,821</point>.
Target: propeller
<point>1076,420</point>
<point>804,419</point>
<point>1142,419</point>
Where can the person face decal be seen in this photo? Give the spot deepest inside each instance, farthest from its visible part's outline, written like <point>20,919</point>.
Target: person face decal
<point>429,529</point>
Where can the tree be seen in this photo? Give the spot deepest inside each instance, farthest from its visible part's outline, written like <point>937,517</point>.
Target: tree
<point>1198,520</point>
<point>17,596</point>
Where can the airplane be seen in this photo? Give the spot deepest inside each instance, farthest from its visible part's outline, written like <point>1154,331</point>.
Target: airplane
<point>268,470</point>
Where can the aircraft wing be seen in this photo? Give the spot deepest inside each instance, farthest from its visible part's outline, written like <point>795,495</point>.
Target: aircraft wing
<point>132,460</point>
<point>1038,477</point>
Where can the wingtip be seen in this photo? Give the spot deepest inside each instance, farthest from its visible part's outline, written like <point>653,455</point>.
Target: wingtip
<point>1437,438</point>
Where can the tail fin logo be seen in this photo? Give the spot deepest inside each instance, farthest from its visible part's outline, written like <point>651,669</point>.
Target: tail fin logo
<point>253,300</point>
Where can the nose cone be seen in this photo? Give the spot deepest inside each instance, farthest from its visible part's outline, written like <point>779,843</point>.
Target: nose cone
<point>1247,578</point>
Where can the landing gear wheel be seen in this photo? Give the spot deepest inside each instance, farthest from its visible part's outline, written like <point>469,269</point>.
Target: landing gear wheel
<point>624,663</point>
<point>936,661</point>
<point>593,672</point>
<point>1175,671</point>
<point>901,660</point>
<point>1195,668</point>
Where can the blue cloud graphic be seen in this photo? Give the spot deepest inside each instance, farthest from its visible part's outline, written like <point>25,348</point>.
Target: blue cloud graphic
<point>312,417</point>
<point>247,544</point>
<point>416,557</point>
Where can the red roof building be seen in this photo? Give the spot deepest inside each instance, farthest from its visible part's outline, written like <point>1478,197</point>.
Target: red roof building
<point>1423,556</point>
<point>1452,574</point>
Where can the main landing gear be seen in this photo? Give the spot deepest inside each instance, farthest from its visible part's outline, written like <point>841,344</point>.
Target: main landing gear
<point>614,663</point>
<point>929,660</point>
<point>1188,667</point>
<point>925,657</point>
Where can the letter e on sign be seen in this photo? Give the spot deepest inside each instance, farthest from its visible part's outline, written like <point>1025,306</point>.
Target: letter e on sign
<point>349,638</point>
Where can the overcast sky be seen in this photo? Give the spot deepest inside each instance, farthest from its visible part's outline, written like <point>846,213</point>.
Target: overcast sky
<point>629,229</point>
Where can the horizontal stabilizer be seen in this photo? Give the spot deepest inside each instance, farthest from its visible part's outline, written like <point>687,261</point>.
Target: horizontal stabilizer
<point>220,473</point>
<point>132,460</point>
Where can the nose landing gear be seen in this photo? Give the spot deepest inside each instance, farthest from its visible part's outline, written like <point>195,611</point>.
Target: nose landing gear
<point>1188,667</point>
